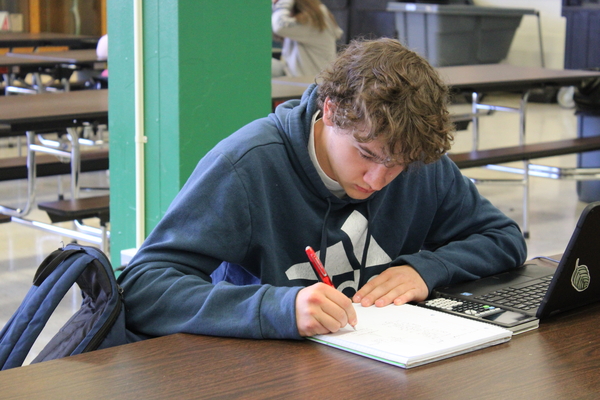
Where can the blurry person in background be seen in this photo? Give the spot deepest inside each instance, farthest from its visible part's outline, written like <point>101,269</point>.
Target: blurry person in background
<point>309,33</point>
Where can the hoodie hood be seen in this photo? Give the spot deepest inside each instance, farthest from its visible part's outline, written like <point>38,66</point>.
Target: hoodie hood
<point>295,116</point>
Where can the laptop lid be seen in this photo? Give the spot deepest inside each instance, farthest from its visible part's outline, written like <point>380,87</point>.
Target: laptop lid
<point>576,280</point>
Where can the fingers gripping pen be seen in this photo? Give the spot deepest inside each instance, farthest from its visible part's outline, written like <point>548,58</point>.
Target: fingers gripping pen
<point>319,269</point>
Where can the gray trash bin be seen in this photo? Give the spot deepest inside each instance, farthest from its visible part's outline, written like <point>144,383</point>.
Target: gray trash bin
<point>582,42</point>
<point>449,35</point>
<point>587,103</point>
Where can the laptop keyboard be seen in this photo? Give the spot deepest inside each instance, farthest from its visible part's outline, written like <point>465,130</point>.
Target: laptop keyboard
<point>524,298</point>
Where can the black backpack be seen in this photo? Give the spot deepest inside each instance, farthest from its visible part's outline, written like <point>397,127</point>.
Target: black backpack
<point>99,323</point>
<point>587,96</point>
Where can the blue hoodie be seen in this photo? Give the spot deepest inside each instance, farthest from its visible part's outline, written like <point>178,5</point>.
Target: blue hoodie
<point>257,201</point>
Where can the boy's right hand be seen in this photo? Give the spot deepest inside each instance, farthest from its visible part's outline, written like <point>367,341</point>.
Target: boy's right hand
<point>321,309</point>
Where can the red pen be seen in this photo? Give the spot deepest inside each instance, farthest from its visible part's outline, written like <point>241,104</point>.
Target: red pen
<point>319,269</point>
<point>318,266</point>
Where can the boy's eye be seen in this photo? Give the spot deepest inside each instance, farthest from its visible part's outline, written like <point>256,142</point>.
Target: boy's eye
<point>367,156</point>
<point>374,159</point>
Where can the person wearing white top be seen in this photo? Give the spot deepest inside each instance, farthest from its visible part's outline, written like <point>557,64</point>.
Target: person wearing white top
<point>309,32</point>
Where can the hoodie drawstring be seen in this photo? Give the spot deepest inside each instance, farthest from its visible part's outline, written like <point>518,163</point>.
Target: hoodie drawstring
<point>363,262</point>
<point>323,252</point>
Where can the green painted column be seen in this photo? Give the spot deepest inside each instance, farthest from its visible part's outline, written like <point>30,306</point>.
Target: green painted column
<point>206,74</point>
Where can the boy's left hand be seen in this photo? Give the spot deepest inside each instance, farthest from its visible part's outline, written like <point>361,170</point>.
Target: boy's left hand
<point>396,285</point>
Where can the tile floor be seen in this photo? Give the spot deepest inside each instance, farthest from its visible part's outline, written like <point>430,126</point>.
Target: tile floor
<point>554,203</point>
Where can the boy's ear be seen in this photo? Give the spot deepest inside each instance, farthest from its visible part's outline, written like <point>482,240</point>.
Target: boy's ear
<point>328,112</point>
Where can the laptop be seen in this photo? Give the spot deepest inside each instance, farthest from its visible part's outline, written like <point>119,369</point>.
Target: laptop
<point>519,298</point>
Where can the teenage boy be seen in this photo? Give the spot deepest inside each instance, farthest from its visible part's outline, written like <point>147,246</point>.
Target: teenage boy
<point>356,169</point>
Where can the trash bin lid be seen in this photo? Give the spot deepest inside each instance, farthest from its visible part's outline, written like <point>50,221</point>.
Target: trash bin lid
<point>459,9</point>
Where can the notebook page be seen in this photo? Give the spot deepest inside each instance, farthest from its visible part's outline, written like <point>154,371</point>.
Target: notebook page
<point>408,335</point>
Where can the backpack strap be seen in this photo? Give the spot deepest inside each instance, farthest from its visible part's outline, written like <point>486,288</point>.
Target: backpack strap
<point>50,263</point>
<point>54,278</point>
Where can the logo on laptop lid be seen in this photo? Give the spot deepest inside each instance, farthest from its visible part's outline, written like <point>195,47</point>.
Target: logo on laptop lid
<point>580,280</point>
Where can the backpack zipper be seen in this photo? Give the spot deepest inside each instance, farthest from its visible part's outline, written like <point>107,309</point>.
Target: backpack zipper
<point>112,318</point>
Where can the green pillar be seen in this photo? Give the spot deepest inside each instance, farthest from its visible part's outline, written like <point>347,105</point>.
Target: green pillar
<point>206,74</point>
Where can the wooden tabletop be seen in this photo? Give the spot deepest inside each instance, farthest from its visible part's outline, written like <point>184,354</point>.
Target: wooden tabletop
<point>530,151</point>
<point>470,78</point>
<point>28,39</point>
<point>52,110</point>
<point>287,87</point>
<point>561,359</point>
<point>67,56</point>
<point>504,77</point>
<point>30,62</point>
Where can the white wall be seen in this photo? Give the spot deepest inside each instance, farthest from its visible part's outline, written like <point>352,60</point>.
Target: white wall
<point>525,49</point>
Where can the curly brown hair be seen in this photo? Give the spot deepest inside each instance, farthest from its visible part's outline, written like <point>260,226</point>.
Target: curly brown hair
<point>381,87</point>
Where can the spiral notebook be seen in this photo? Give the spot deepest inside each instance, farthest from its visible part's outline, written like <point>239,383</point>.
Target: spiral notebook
<point>408,336</point>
